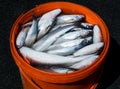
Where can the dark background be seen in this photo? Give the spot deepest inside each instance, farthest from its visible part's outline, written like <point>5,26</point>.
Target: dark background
<point>108,10</point>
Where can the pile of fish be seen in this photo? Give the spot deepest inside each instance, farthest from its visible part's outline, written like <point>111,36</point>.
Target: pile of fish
<point>61,43</point>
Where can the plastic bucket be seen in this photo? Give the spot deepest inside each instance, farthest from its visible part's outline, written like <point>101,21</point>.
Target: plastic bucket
<point>85,78</point>
<point>27,82</point>
<point>91,83</point>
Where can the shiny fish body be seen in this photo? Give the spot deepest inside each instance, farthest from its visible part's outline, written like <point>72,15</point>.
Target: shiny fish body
<point>67,37</point>
<point>66,44</point>
<point>87,25</point>
<point>64,51</point>
<point>97,37</point>
<point>87,41</point>
<point>45,58</point>
<point>46,21</point>
<point>68,48</point>
<point>47,40</point>
<point>73,35</point>
<point>84,63</point>
<point>60,25</point>
<point>69,18</point>
<point>29,24</point>
<point>61,69</point>
<point>83,32</point>
<point>21,37</point>
<point>32,33</point>
<point>89,49</point>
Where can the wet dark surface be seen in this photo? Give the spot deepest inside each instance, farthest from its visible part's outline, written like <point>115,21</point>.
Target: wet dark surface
<point>108,11</point>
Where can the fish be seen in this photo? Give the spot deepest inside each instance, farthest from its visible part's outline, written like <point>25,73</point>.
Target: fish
<point>29,24</point>
<point>97,37</point>
<point>84,63</point>
<point>87,41</point>
<point>89,49</point>
<point>63,51</point>
<point>65,48</point>
<point>60,25</point>
<point>46,41</point>
<point>46,21</point>
<point>21,37</point>
<point>35,57</point>
<point>67,37</point>
<point>66,44</point>
<point>54,68</point>
<point>32,33</point>
<point>68,48</point>
<point>73,35</point>
<point>69,18</point>
<point>83,32</point>
<point>44,67</point>
<point>87,25</point>
<point>61,69</point>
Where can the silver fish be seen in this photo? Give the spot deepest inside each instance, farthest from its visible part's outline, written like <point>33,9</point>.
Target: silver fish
<point>66,44</point>
<point>69,18</point>
<point>46,22</point>
<point>67,37</point>
<point>45,58</point>
<point>61,69</point>
<point>83,32</point>
<point>84,63</point>
<point>89,49</point>
<point>68,48</point>
<point>32,33</point>
<point>97,37</point>
<point>60,25</point>
<point>65,48</point>
<point>63,51</point>
<point>29,24</point>
<point>47,40</point>
<point>73,35</point>
<point>87,41</point>
<point>21,37</point>
<point>87,25</point>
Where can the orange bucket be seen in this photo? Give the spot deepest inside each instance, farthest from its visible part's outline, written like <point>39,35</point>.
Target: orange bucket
<point>27,82</point>
<point>86,78</point>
